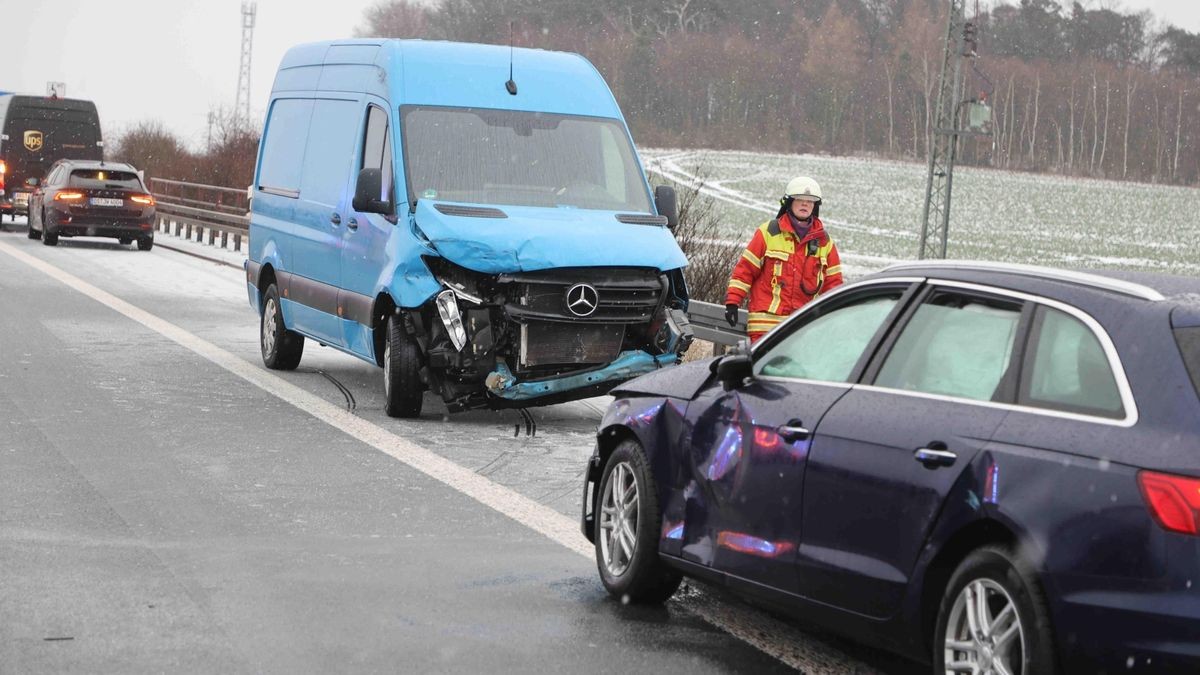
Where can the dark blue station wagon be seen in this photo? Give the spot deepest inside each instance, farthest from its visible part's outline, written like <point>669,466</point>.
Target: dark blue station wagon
<point>994,468</point>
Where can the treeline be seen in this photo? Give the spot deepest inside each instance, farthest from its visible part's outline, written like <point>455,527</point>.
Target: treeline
<point>227,159</point>
<point>1090,92</point>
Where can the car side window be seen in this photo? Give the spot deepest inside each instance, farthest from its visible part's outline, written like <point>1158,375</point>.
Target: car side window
<point>955,344</point>
<point>377,149</point>
<point>826,347</point>
<point>1067,368</point>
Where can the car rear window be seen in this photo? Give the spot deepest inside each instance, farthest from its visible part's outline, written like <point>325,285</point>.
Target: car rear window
<point>1189,345</point>
<point>104,178</point>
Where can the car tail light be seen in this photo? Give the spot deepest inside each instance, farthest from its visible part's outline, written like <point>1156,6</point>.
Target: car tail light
<point>68,196</point>
<point>1173,500</point>
<point>142,199</point>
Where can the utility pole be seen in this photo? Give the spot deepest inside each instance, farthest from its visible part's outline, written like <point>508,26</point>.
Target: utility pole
<point>241,109</point>
<point>960,45</point>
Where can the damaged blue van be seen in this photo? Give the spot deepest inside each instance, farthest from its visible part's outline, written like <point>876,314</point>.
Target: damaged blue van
<point>473,219</point>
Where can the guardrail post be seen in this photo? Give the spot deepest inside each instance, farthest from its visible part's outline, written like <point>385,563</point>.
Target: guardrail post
<point>237,243</point>
<point>224,239</point>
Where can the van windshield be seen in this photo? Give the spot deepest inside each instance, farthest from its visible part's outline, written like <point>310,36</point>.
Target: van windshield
<point>484,156</point>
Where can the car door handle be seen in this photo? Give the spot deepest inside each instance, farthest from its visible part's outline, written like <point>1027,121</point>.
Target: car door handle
<point>793,431</point>
<point>336,219</point>
<point>352,223</point>
<point>932,458</point>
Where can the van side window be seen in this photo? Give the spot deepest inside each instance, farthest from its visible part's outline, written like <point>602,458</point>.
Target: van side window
<point>377,149</point>
<point>329,151</point>
<point>283,148</point>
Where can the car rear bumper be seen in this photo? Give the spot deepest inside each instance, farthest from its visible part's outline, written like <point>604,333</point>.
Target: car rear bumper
<point>1131,629</point>
<point>119,230</point>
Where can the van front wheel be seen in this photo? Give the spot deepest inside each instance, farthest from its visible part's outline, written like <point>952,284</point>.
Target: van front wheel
<point>281,348</point>
<point>402,387</point>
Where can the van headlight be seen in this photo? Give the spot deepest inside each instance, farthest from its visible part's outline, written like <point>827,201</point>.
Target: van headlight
<point>447,306</point>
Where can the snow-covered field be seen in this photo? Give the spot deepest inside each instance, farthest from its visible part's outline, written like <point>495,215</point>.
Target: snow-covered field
<point>873,208</point>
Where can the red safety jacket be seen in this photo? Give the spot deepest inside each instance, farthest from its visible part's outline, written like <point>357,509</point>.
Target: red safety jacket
<point>782,272</point>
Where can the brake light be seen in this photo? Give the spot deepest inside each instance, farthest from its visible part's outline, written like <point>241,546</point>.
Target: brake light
<point>68,196</point>
<point>142,199</point>
<point>3,167</point>
<point>1174,501</point>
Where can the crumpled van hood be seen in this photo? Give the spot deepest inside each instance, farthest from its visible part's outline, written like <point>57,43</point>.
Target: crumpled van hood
<point>537,238</point>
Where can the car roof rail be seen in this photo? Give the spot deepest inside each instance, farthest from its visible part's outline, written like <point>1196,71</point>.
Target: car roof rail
<point>1082,278</point>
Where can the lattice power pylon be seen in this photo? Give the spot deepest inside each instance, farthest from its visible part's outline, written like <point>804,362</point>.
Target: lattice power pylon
<point>241,109</point>
<point>944,142</point>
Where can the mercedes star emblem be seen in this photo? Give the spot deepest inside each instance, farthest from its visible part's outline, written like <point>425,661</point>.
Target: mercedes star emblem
<point>582,299</point>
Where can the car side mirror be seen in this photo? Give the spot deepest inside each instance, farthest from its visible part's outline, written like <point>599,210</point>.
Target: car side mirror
<point>367,191</point>
<point>734,370</point>
<point>664,201</point>
<point>32,182</point>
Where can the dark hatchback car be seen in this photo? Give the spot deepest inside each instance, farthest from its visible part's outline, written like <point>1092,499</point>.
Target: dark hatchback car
<point>84,198</point>
<point>993,468</point>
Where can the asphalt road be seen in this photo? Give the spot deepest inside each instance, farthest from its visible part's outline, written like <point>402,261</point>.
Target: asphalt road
<point>168,504</point>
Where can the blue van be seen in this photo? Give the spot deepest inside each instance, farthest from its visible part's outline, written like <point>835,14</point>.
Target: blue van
<point>471,218</point>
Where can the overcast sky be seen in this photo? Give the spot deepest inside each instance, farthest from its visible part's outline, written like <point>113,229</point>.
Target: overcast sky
<point>175,60</point>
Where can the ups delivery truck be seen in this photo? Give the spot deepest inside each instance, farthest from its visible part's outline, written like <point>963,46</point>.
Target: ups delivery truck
<point>35,132</point>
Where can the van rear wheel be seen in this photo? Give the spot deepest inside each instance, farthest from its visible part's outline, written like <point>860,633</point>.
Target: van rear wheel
<point>402,386</point>
<point>281,348</point>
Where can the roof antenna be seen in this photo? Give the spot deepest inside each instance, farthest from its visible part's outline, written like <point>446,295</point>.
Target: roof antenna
<point>511,86</point>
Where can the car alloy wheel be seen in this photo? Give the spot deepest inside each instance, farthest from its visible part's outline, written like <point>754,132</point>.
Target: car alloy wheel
<point>620,508</point>
<point>984,633</point>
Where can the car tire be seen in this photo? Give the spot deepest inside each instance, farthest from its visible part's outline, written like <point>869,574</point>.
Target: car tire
<point>628,516</point>
<point>1015,630</point>
<point>403,390</point>
<point>145,243</point>
<point>32,233</point>
<point>281,348</point>
<point>49,238</point>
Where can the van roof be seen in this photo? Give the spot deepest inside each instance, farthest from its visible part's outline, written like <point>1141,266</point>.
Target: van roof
<point>454,74</point>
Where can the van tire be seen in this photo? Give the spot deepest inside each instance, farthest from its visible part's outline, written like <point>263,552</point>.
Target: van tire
<point>402,386</point>
<point>147,243</point>
<point>281,348</point>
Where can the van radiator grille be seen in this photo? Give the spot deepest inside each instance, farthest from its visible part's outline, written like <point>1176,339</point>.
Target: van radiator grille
<point>625,296</point>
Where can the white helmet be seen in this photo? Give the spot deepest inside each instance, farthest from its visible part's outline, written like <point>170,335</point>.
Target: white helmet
<point>803,187</point>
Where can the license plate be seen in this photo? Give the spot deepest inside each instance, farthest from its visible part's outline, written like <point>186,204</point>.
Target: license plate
<point>105,201</point>
<point>21,198</point>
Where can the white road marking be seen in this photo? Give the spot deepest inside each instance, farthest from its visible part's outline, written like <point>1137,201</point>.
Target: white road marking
<point>773,637</point>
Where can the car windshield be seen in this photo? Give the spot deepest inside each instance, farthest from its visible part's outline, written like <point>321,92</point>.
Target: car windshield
<point>484,156</point>
<point>104,178</point>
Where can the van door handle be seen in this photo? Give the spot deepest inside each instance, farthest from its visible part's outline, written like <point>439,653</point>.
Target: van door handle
<point>336,219</point>
<point>352,223</point>
<point>932,458</point>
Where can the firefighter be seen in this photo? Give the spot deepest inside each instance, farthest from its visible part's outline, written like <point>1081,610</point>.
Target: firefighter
<point>789,261</point>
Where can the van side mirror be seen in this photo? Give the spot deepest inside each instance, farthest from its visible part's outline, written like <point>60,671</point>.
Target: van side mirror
<point>734,370</point>
<point>664,201</point>
<point>367,192</point>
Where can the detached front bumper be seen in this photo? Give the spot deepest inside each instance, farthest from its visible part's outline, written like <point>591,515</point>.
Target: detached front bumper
<point>503,385</point>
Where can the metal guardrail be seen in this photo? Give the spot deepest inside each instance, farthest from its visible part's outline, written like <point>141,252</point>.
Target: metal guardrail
<point>708,322</point>
<point>199,211</point>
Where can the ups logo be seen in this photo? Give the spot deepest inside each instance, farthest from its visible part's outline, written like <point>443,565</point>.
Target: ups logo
<point>33,140</point>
